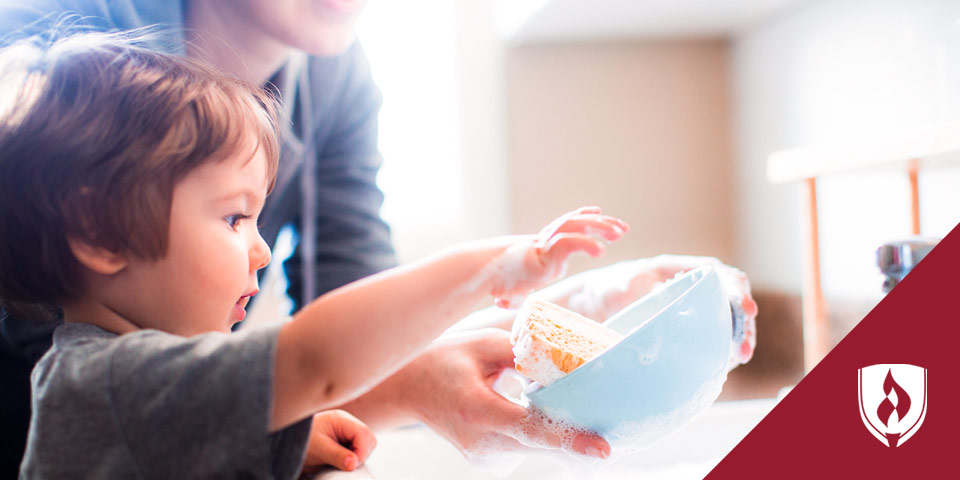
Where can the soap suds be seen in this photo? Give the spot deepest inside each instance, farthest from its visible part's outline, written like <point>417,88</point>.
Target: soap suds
<point>538,362</point>
<point>510,269</point>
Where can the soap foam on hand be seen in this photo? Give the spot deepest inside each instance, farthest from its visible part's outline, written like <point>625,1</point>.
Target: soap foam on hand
<point>502,454</point>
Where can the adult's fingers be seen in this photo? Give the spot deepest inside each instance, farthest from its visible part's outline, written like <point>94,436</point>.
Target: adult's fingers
<point>533,429</point>
<point>518,422</point>
<point>541,431</point>
<point>495,351</point>
<point>591,445</point>
<point>488,348</point>
<point>749,306</point>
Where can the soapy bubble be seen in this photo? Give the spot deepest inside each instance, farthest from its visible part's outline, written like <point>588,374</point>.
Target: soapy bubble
<point>502,453</point>
<point>541,431</point>
<point>511,385</point>
<point>510,270</point>
<point>538,364</point>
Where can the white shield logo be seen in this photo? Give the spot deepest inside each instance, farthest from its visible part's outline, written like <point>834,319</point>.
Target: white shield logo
<point>893,400</point>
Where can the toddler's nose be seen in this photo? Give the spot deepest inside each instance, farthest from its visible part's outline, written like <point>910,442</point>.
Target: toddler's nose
<point>259,254</point>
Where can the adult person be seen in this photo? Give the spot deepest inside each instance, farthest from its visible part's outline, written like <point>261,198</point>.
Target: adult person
<point>326,190</point>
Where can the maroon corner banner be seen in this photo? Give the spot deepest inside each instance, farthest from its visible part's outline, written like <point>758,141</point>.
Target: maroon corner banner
<point>816,431</point>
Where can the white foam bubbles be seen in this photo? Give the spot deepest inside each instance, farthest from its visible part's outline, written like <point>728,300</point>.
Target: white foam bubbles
<point>535,359</point>
<point>502,453</point>
<point>510,270</point>
<point>511,385</point>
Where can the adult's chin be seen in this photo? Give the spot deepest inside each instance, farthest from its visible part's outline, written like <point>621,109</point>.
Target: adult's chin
<point>331,42</point>
<point>342,8</point>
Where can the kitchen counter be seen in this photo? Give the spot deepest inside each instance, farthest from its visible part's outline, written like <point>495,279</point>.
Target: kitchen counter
<point>417,452</point>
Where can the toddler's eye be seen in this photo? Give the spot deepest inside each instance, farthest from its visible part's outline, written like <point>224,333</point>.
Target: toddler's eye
<point>235,219</point>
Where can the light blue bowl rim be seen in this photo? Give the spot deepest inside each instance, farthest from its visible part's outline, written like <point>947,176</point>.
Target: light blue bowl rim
<point>701,272</point>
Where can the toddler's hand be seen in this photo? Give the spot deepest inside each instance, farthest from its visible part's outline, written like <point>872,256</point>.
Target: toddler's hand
<point>541,259</point>
<point>338,439</point>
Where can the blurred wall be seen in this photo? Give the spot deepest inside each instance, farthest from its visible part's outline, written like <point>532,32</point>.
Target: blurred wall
<point>641,129</point>
<point>438,64</point>
<point>837,72</point>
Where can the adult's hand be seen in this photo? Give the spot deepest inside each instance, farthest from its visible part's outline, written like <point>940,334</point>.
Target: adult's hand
<point>450,388</point>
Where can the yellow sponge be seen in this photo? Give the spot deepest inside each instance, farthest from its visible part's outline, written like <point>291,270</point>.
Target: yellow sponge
<point>550,341</point>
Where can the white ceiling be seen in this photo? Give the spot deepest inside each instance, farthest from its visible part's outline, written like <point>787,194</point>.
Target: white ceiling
<point>578,20</point>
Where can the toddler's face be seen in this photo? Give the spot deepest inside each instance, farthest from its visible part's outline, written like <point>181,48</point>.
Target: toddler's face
<point>208,274</point>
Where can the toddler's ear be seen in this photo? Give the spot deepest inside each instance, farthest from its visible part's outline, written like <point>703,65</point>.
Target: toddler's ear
<point>97,259</point>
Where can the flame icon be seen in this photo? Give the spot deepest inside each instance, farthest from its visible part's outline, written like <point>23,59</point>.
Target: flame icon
<point>886,408</point>
<point>891,414</point>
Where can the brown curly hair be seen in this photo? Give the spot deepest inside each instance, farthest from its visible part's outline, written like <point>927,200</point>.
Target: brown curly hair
<point>95,133</point>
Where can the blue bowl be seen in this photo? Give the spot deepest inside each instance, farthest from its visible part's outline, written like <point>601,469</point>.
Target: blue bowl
<point>670,366</point>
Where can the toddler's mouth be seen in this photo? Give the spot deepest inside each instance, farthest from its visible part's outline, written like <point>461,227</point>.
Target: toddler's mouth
<point>245,299</point>
<point>239,308</point>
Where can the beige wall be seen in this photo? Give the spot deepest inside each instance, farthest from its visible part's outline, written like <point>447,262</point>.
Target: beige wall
<point>640,129</point>
<point>841,72</point>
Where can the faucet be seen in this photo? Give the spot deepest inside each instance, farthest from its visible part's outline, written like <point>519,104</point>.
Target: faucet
<point>896,259</point>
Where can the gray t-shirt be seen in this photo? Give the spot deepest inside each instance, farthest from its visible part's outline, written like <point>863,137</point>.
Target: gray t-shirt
<point>154,405</point>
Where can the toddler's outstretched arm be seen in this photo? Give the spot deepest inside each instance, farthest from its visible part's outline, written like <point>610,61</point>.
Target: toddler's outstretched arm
<point>350,339</point>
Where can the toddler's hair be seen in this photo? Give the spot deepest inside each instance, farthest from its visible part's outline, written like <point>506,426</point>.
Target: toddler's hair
<point>95,133</point>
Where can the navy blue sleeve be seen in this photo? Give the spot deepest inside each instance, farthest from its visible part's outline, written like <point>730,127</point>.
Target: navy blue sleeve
<point>351,240</point>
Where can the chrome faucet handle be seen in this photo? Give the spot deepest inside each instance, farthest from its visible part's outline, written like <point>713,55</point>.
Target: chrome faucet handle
<point>896,259</point>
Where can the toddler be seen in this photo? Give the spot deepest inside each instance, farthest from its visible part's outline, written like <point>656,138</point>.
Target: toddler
<point>130,190</point>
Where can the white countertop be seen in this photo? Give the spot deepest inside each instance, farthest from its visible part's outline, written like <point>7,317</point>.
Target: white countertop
<point>690,452</point>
